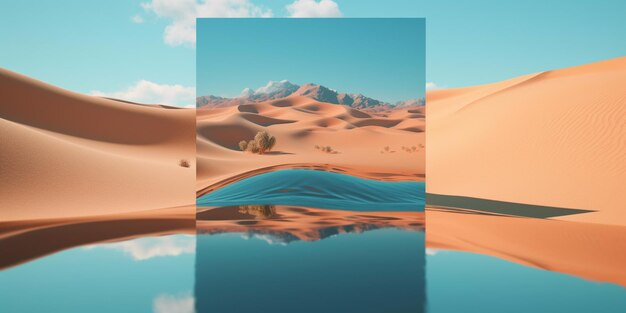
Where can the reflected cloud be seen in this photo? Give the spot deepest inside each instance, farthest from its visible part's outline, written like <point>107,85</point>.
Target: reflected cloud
<point>150,247</point>
<point>430,251</point>
<point>167,303</point>
<point>271,240</point>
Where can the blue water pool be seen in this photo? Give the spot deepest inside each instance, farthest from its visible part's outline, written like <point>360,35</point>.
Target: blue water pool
<point>319,189</point>
<point>371,272</point>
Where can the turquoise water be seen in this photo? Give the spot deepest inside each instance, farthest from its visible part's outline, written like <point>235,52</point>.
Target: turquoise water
<point>346,270</point>
<point>149,274</point>
<point>468,282</point>
<point>320,190</point>
<point>371,272</point>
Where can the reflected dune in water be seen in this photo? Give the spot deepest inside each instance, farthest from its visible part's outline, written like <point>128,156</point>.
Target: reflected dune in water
<point>300,223</point>
<point>23,241</point>
<point>595,252</point>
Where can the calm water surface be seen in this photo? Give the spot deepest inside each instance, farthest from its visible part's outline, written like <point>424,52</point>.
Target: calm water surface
<point>376,271</point>
<point>282,258</point>
<point>469,282</point>
<point>152,274</point>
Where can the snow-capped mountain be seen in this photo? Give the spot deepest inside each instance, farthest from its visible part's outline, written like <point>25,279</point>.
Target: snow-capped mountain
<point>281,89</point>
<point>273,90</point>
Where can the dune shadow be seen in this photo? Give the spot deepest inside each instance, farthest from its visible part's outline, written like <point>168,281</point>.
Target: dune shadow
<point>486,206</point>
<point>277,153</point>
<point>264,120</point>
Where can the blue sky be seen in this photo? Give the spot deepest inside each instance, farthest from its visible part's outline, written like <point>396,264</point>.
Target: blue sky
<point>381,58</point>
<point>110,46</point>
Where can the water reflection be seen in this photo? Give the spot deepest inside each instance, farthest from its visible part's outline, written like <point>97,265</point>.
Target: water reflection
<point>300,259</point>
<point>271,258</point>
<point>258,211</point>
<point>148,274</point>
<point>495,263</point>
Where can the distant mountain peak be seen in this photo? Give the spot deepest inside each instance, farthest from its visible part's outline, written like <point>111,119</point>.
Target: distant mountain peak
<point>247,93</point>
<point>273,90</point>
<point>283,88</point>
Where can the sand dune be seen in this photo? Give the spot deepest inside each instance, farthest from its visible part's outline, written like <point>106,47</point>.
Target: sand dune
<point>67,155</point>
<point>555,138</point>
<point>591,251</point>
<point>357,138</point>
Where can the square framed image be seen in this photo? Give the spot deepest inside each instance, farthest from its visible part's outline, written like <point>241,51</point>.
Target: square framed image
<point>310,136</point>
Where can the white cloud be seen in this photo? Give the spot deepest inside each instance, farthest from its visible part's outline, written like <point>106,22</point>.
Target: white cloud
<point>313,8</point>
<point>150,247</point>
<point>137,19</point>
<point>430,251</point>
<point>166,303</point>
<point>182,14</point>
<point>153,93</point>
<point>431,86</point>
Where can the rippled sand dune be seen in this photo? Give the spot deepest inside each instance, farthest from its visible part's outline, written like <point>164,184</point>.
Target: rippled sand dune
<point>358,139</point>
<point>555,138</point>
<point>66,154</point>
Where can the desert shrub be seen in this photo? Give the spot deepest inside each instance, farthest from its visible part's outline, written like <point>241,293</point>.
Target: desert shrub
<point>252,147</point>
<point>327,149</point>
<point>413,148</point>
<point>261,143</point>
<point>264,141</point>
<point>183,163</point>
<point>387,148</point>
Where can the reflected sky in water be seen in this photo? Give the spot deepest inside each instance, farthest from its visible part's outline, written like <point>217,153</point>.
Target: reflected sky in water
<point>152,274</point>
<point>468,282</point>
<point>295,259</point>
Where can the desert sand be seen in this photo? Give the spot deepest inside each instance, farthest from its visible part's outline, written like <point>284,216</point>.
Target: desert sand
<point>65,154</point>
<point>358,139</point>
<point>588,250</point>
<point>555,138</point>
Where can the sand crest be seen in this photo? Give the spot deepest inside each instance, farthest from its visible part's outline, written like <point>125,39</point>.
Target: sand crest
<point>66,154</point>
<point>358,140</point>
<point>555,138</point>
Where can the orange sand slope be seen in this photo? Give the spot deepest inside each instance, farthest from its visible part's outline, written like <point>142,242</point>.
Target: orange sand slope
<point>65,154</point>
<point>303,223</point>
<point>29,240</point>
<point>592,251</point>
<point>556,138</point>
<point>299,124</point>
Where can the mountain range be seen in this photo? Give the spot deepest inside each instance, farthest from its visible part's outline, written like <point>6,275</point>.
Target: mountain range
<point>281,89</point>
